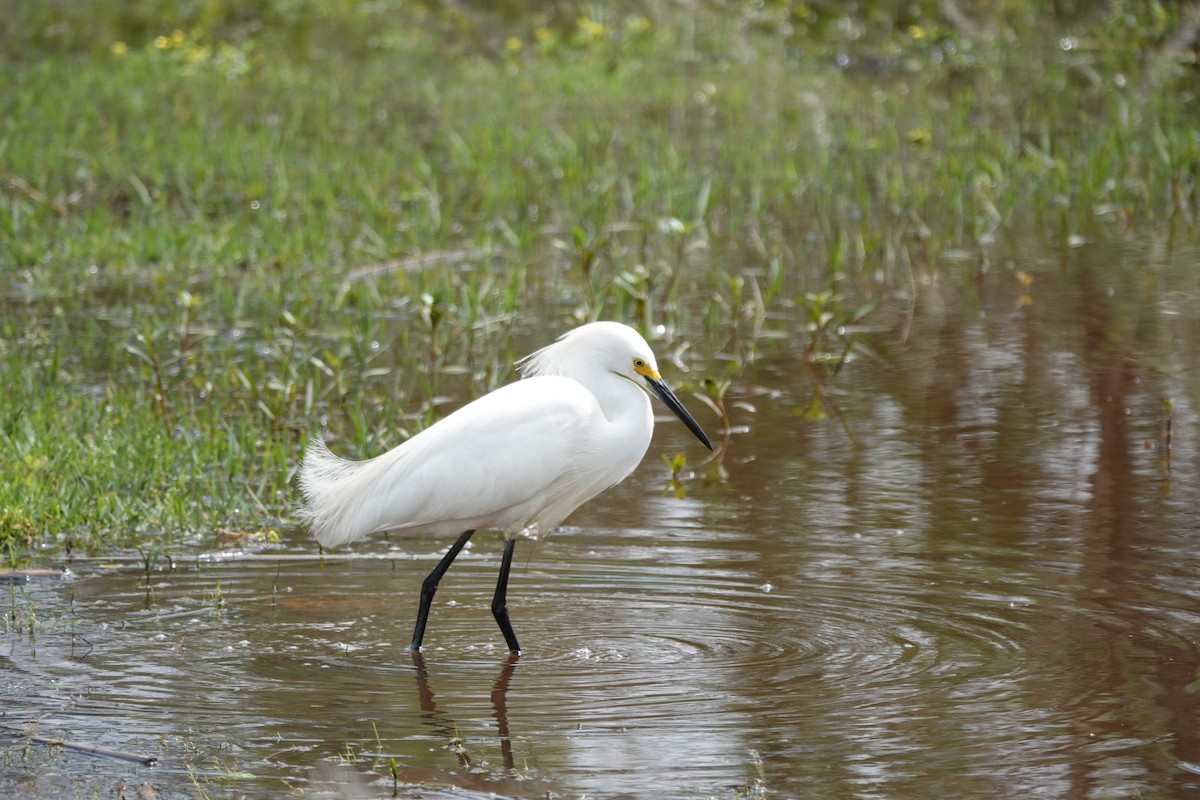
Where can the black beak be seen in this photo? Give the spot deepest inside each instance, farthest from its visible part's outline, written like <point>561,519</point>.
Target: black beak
<point>664,393</point>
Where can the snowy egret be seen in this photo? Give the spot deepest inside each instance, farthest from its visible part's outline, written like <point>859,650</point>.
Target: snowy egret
<point>520,458</point>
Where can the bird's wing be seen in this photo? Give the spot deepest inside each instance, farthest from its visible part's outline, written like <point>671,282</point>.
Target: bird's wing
<point>493,463</point>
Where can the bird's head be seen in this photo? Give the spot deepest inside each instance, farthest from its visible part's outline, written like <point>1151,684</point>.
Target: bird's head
<point>614,348</point>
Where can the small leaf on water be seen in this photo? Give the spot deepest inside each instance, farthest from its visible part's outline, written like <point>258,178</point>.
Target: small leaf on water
<point>675,462</point>
<point>814,411</point>
<point>238,776</point>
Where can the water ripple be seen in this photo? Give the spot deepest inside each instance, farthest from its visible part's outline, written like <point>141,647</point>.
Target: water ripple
<point>865,656</point>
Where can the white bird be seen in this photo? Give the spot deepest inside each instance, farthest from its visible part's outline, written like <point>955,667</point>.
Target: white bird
<point>520,458</point>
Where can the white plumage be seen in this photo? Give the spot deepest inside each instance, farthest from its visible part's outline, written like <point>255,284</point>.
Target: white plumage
<point>523,456</point>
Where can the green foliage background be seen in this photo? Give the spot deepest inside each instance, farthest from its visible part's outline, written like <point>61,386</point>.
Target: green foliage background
<point>222,224</point>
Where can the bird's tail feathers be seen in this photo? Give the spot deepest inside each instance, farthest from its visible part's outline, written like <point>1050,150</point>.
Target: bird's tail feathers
<point>330,509</point>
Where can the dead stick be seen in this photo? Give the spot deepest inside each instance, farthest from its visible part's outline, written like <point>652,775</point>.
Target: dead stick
<point>97,750</point>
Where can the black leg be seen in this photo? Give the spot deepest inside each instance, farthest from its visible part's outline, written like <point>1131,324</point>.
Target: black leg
<point>500,599</point>
<point>429,588</point>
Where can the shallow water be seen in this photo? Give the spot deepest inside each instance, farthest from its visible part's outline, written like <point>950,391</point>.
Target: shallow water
<point>983,580</point>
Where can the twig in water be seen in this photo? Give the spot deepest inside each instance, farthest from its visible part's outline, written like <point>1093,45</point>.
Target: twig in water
<point>97,750</point>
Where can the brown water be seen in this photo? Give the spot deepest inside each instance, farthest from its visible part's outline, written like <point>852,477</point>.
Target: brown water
<point>986,583</point>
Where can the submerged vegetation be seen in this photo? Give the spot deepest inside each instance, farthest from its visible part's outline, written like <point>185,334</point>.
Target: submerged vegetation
<point>222,225</point>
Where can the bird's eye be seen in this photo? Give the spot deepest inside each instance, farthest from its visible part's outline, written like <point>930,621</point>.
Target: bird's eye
<point>638,363</point>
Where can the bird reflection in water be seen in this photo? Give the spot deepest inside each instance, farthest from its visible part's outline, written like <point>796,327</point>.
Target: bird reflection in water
<point>476,774</point>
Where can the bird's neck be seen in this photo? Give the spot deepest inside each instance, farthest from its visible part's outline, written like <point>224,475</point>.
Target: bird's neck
<point>620,398</point>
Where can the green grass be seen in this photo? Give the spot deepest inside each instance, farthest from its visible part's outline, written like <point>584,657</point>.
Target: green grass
<point>205,208</point>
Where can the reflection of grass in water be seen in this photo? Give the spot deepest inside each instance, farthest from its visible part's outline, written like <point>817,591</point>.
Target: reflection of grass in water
<point>30,760</point>
<point>205,769</point>
<point>251,242</point>
<point>21,617</point>
<point>25,617</point>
